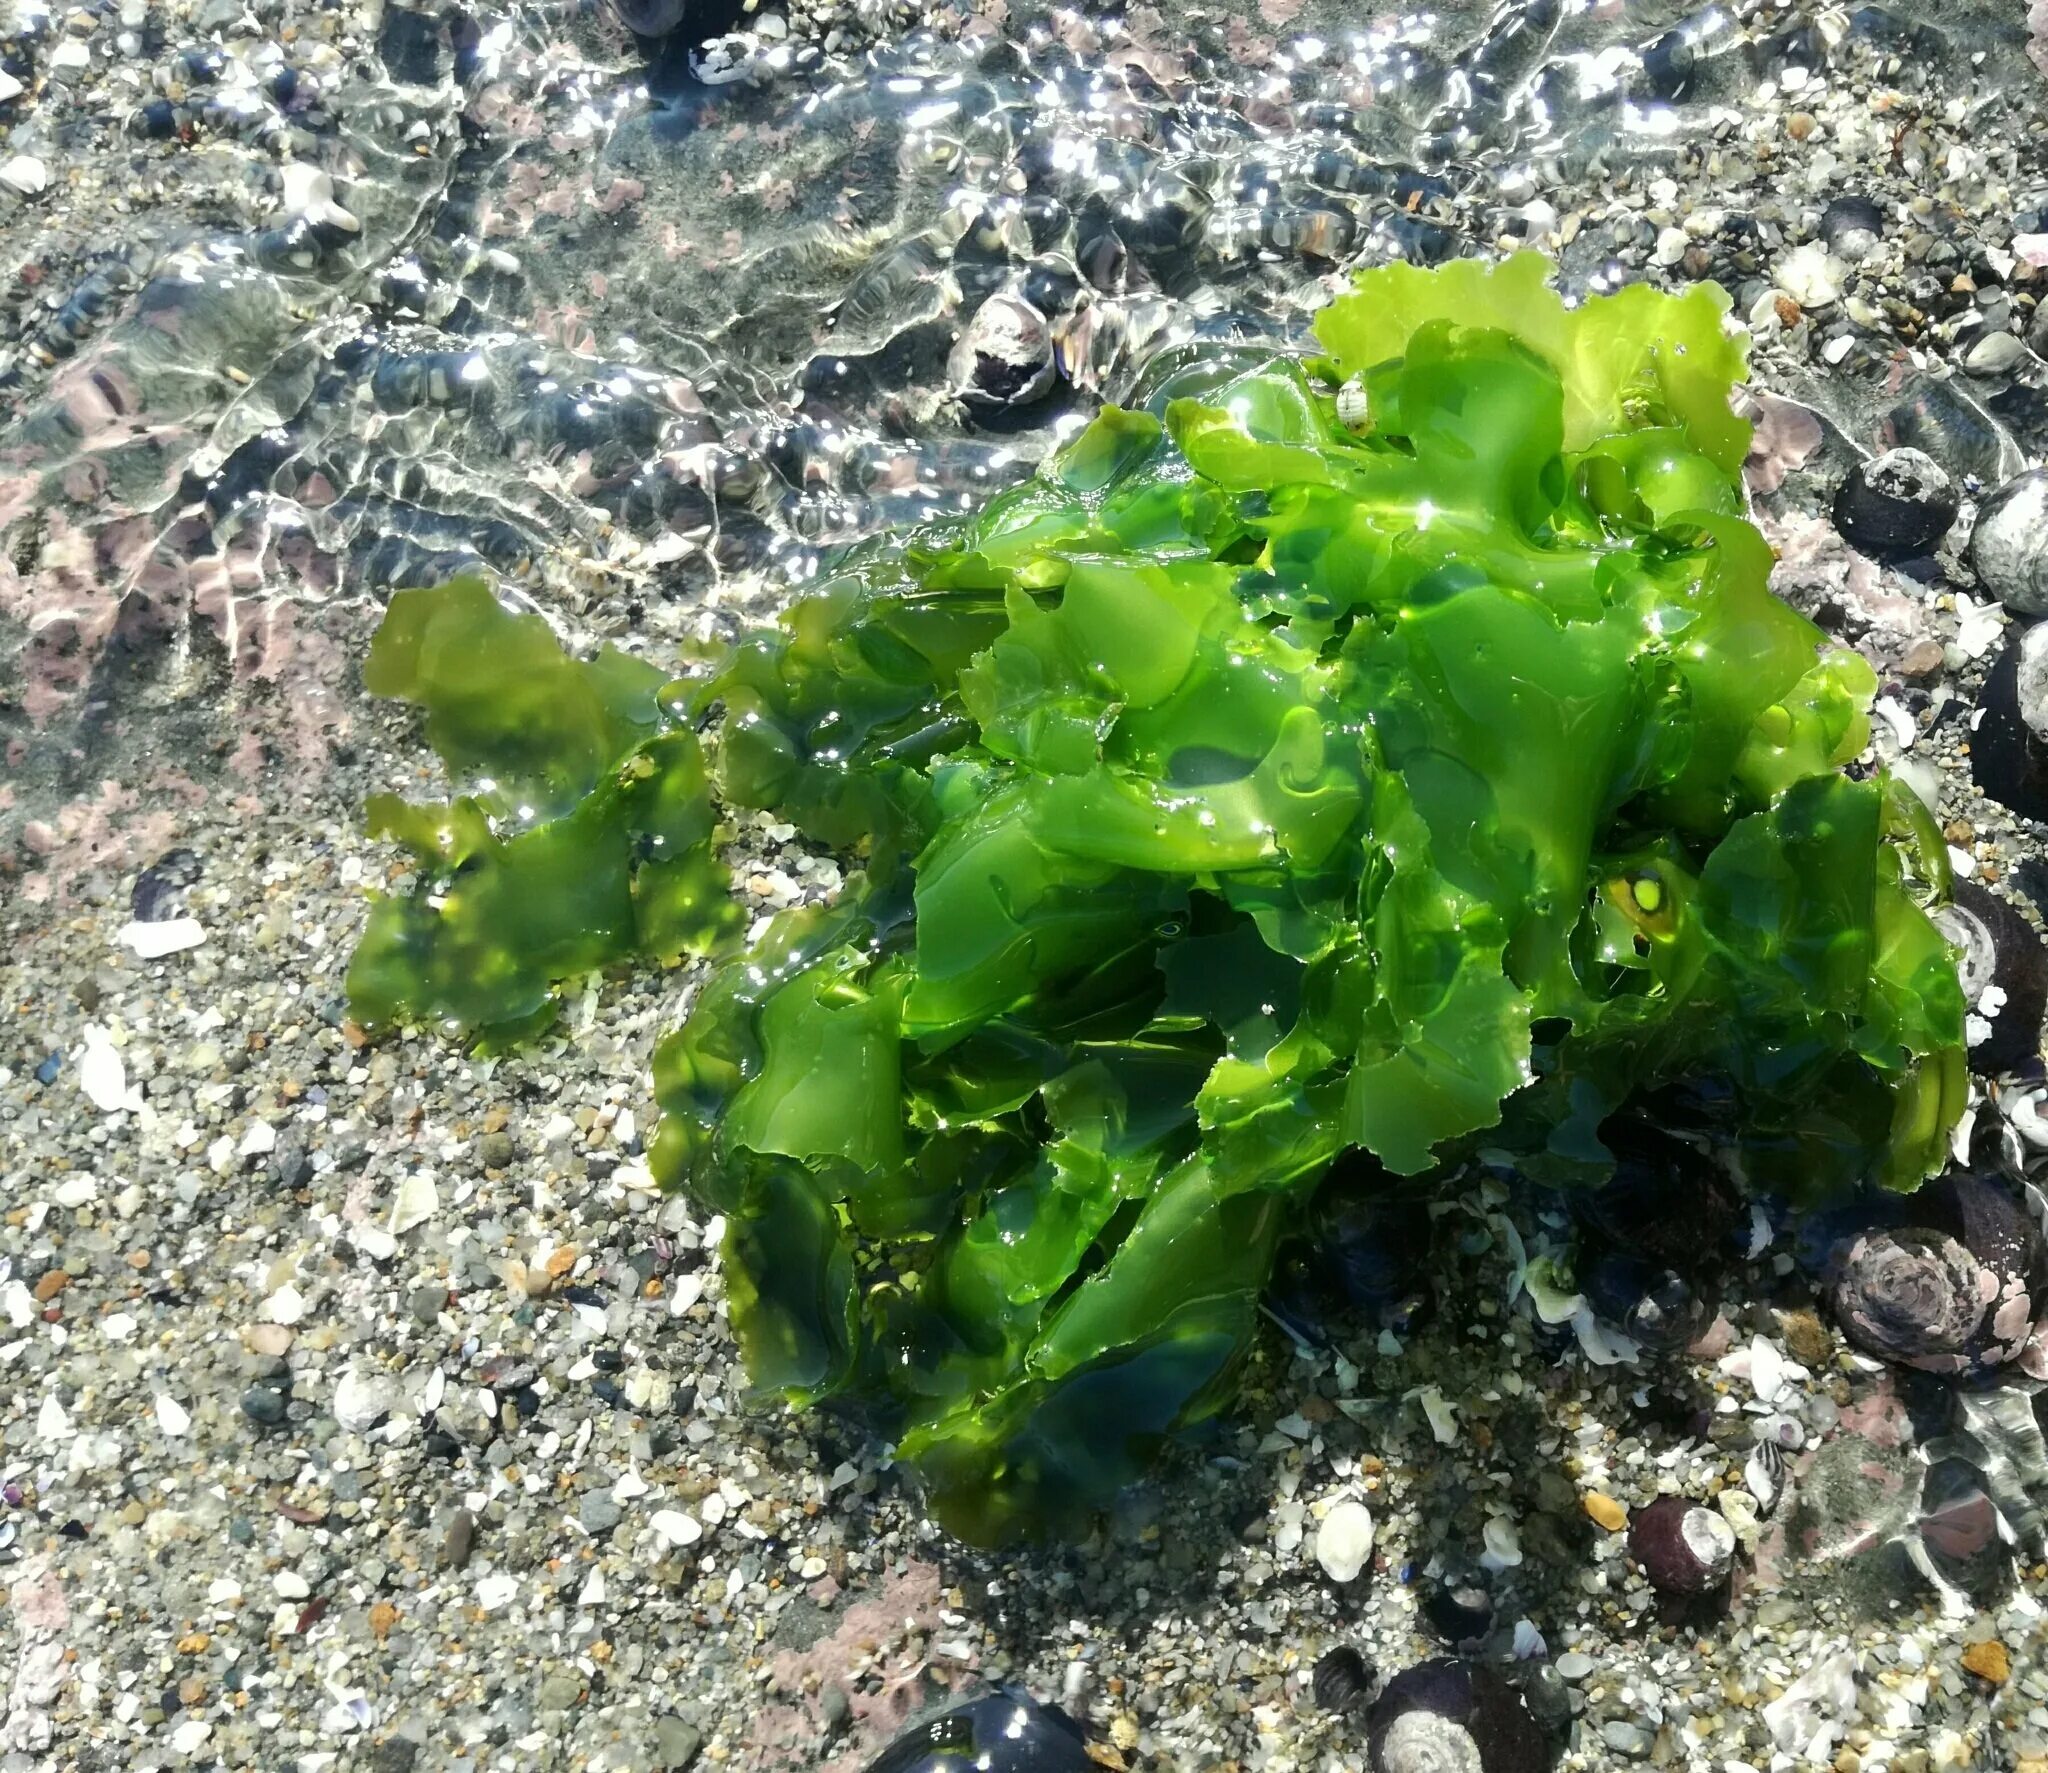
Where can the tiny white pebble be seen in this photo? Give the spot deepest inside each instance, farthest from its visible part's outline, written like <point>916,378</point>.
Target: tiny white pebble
<point>171,1416</point>
<point>677,1527</point>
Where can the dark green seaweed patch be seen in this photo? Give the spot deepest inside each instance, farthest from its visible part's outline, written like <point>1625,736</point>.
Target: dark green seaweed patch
<point>1248,787</point>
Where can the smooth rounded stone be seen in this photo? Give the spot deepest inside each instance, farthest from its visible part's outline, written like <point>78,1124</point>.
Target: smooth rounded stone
<point>598,1513</point>
<point>1451,1716</point>
<point>1896,505</point>
<point>2009,546</point>
<point>1993,354</point>
<point>1625,1738</point>
<point>1002,1732</point>
<point>264,1405</point>
<point>1344,1541</point>
<point>1683,1549</point>
<point>1850,228</point>
<point>2004,964</point>
<point>1575,1666</point>
<point>1957,1292</point>
<point>1939,416</point>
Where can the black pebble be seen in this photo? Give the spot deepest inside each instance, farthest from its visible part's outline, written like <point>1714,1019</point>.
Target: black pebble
<point>264,1405</point>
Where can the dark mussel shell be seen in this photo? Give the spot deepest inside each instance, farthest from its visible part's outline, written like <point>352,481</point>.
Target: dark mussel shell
<point>1006,1731</point>
<point>2001,951</point>
<point>1956,1291</point>
<point>2008,759</point>
<point>1650,1304</point>
<point>1458,1608</point>
<point>1363,1247</point>
<point>1667,1202</point>
<point>1450,1714</point>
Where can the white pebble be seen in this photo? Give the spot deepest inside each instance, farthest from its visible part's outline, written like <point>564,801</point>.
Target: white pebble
<point>75,1191</point>
<point>25,175</point>
<point>1809,276</point>
<point>152,941</point>
<point>362,1400</point>
<point>171,1416</point>
<point>497,1591</point>
<point>1344,1541</point>
<point>285,1306</point>
<point>291,1586</point>
<point>101,1075</point>
<point>417,1201</point>
<point>677,1527</point>
<point>190,1736</point>
<point>51,1422</point>
<point>1503,1545</point>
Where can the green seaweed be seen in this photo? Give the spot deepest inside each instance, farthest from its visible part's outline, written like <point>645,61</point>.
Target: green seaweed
<point>1247,788</point>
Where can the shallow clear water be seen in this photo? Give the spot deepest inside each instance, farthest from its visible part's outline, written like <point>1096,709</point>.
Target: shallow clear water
<point>520,288</point>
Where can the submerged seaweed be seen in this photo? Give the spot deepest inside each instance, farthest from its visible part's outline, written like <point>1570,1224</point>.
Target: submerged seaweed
<point>1401,751</point>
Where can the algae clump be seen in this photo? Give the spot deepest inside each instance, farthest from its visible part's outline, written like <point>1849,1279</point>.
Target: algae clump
<point>1247,788</point>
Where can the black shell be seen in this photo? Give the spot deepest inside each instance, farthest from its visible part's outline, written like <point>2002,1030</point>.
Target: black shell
<point>1342,1679</point>
<point>1682,1547</point>
<point>1654,1306</point>
<point>2007,760</point>
<point>1999,948</point>
<point>1006,1731</point>
<point>650,18</point>
<point>1666,1202</point>
<point>1459,1609</point>
<point>1955,1292</point>
<point>160,888</point>
<point>1429,1714</point>
<point>1896,505</point>
<point>1851,226</point>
